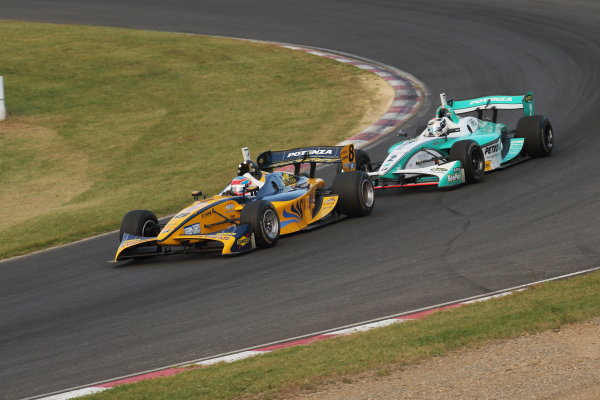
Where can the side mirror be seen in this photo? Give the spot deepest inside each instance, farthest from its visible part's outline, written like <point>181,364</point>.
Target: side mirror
<point>196,195</point>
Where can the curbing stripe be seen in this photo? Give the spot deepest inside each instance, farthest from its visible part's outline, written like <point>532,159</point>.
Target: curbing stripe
<point>143,377</point>
<point>228,358</point>
<point>266,349</point>
<point>295,343</point>
<point>409,98</point>
<point>75,393</point>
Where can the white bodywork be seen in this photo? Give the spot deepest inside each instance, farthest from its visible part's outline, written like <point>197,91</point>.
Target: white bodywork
<point>422,161</point>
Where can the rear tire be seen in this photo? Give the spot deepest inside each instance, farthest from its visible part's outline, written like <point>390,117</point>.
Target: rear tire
<point>264,222</point>
<point>471,158</point>
<point>140,223</point>
<point>363,161</point>
<point>538,134</point>
<point>356,196</point>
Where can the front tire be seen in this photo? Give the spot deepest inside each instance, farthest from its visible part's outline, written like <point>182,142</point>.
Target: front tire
<point>356,196</point>
<point>471,158</point>
<point>538,134</point>
<point>140,223</point>
<point>264,222</point>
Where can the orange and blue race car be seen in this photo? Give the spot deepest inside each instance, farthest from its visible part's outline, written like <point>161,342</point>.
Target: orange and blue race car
<point>261,203</point>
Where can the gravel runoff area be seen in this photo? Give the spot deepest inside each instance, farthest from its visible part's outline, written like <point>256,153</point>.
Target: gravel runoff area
<point>562,364</point>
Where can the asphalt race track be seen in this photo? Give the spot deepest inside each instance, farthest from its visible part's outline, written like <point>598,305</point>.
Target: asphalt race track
<point>68,317</point>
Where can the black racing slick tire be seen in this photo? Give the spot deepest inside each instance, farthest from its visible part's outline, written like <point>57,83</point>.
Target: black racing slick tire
<point>355,192</point>
<point>471,158</point>
<point>264,222</point>
<point>363,161</point>
<point>538,134</point>
<point>139,223</point>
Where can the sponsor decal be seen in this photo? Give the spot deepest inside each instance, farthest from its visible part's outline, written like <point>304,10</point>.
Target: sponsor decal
<point>472,124</point>
<point>183,214</point>
<point>439,169</point>
<point>329,200</point>
<point>320,152</point>
<point>401,150</point>
<point>528,98</point>
<point>289,180</point>
<point>488,165</point>
<point>486,99</point>
<point>453,178</point>
<point>166,230</point>
<point>206,214</point>
<point>350,165</point>
<point>457,170</point>
<point>423,157</point>
<point>130,242</point>
<point>222,236</point>
<point>193,229</point>
<point>491,149</point>
<point>229,206</point>
<point>243,240</point>
<point>389,160</point>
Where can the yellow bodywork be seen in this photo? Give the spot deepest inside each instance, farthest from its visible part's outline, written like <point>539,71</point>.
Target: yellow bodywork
<point>217,219</point>
<point>297,214</point>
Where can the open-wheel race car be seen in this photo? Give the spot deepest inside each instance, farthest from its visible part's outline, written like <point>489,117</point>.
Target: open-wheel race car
<point>452,150</point>
<point>260,204</point>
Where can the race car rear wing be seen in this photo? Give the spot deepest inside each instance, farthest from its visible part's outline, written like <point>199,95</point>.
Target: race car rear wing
<point>309,155</point>
<point>494,103</point>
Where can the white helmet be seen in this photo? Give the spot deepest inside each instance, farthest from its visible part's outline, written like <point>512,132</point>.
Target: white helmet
<point>437,127</point>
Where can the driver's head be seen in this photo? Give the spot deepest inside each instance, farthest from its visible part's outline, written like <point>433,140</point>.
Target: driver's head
<point>437,127</point>
<point>239,185</point>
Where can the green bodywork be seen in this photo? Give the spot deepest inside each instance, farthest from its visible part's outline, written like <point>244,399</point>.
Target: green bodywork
<point>486,133</point>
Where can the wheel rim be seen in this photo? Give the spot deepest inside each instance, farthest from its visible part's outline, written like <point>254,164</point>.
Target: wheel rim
<point>367,193</point>
<point>270,224</point>
<point>149,228</point>
<point>548,139</point>
<point>478,164</point>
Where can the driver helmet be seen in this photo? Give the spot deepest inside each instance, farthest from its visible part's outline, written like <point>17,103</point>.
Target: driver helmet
<point>437,127</point>
<point>239,185</point>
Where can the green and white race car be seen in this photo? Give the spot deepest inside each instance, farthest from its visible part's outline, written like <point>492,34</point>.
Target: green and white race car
<point>452,150</point>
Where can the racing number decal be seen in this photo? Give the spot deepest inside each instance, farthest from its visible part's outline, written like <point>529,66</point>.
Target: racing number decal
<point>347,156</point>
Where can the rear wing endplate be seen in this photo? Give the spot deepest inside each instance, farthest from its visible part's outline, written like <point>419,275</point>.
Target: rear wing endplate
<point>309,155</point>
<point>495,103</point>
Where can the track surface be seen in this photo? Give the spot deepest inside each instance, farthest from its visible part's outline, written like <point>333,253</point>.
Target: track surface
<point>68,317</point>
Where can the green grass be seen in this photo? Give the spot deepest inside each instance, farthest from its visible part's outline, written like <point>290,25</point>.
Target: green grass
<point>105,120</point>
<point>288,371</point>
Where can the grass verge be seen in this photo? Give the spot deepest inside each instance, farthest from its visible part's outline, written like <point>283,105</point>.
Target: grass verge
<point>284,372</point>
<point>105,120</point>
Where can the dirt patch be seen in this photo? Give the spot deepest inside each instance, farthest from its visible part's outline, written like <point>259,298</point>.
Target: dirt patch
<point>561,364</point>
